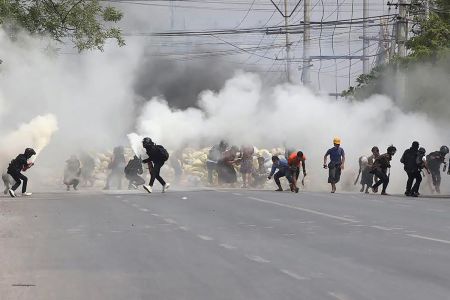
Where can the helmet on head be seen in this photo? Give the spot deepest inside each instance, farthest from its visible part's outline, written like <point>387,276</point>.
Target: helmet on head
<point>29,152</point>
<point>146,142</point>
<point>422,150</point>
<point>444,150</point>
<point>391,150</point>
<point>337,141</point>
<point>375,149</point>
<point>364,160</point>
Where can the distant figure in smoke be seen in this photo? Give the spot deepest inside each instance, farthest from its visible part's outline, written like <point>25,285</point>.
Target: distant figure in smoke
<point>157,156</point>
<point>214,155</point>
<point>296,161</point>
<point>116,166</point>
<point>365,167</point>
<point>176,162</point>
<point>132,172</point>
<point>17,165</point>
<point>246,161</point>
<point>435,160</point>
<point>8,181</point>
<point>260,174</point>
<point>87,170</point>
<point>411,165</point>
<point>282,166</point>
<point>72,172</point>
<point>336,165</point>
<point>225,167</point>
<point>380,169</point>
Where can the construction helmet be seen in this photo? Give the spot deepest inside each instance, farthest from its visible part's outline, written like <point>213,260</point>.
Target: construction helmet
<point>444,150</point>
<point>337,141</point>
<point>391,150</point>
<point>29,152</point>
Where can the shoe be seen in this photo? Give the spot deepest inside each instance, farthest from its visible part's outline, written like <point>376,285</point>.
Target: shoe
<point>296,190</point>
<point>26,194</point>
<point>415,195</point>
<point>367,191</point>
<point>374,190</point>
<point>362,189</point>
<point>166,187</point>
<point>147,188</point>
<point>68,188</point>
<point>384,194</point>
<point>438,190</point>
<point>408,194</point>
<point>11,193</point>
<point>279,190</point>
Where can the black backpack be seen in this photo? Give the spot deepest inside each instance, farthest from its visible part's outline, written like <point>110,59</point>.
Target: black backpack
<point>163,154</point>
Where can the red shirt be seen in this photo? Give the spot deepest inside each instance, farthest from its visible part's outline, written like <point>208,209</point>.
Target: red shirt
<point>293,160</point>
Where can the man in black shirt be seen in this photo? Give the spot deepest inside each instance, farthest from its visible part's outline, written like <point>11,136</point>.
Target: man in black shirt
<point>157,156</point>
<point>435,160</point>
<point>411,166</point>
<point>17,165</point>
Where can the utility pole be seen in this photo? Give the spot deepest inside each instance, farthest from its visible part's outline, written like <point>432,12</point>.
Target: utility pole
<point>306,42</point>
<point>365,39</point>
<point>288,46</point>
<point>402,33</point>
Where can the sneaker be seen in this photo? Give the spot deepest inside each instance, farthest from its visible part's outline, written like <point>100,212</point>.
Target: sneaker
<point>408,194</point>
<point>166,187</point>
<point>296,190</point>
<point>279,190</point>
<point>26,194</point>
<point>384,193</point>
<point>147,188</point>
<point>11,193</point>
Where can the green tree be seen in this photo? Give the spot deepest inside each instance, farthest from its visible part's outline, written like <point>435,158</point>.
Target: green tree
<point>86,23</point>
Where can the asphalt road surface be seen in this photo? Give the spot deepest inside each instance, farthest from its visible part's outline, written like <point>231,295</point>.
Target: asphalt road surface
<point>224,244</point>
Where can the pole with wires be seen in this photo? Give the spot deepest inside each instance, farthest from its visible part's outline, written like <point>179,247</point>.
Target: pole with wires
<point>288,46</point>
<point>365,38</point>
<point>306,42</point>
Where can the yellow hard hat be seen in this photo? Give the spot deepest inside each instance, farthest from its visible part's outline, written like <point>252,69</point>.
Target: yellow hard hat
<point>337,141</point>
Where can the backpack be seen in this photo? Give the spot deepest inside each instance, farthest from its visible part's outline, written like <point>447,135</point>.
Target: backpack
<point>162,152</point>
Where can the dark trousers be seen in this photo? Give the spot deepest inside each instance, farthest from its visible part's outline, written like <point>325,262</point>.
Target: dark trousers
<point>75,182</point>
<point>19,178</point>
<point>155,174</point>
<point>436,176</point>
<point>382,179</point>
<point>409,184</point>
<point>280,174</point>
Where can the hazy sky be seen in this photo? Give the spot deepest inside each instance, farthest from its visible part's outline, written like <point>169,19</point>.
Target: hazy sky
<point>155,16</point>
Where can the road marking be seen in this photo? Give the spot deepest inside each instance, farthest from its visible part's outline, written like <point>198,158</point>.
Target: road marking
<point>116,231</point>
<point>183,228</point>
<point>268,227</point>
<point>305,210</point>
<point>226,246</point>
<point>257,258</point>
<point>429,238</point>
<point>381,228</point>
<point>205,237</point>
<point>436,210</point>
<point>170,221</point>
<point>135,205</point>
<point>292,274</point>
<point>237,194</point>
<point>125,201</point>
<point>251,225</point>
<point>144,209</point>
<point>338,296</point>
<point>155,215</point>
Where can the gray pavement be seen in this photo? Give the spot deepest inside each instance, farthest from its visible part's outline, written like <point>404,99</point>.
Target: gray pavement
<point>224,244</point>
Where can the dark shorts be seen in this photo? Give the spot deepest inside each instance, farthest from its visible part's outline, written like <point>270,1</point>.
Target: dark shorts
<point>334,173</point>
<point>246,166</point>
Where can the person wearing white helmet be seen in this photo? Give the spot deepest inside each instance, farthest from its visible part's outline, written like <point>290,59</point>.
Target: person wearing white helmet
<point>336,164</point>
<point>435,160</point>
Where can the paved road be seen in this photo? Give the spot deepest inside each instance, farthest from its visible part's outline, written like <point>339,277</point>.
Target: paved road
<point>227,244</point>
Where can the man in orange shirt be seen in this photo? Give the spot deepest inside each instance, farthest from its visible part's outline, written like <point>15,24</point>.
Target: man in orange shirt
<point>295,161</point>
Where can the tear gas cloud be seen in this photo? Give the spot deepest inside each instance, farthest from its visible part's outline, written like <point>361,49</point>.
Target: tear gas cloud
<point>92,101</point>
<point>244,112</point>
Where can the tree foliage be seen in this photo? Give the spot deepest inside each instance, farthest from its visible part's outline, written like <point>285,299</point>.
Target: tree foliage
<point>83,22</point>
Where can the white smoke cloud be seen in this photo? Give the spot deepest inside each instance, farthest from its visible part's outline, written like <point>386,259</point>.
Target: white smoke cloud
<point>244,112</point>
<point>35,134</point>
